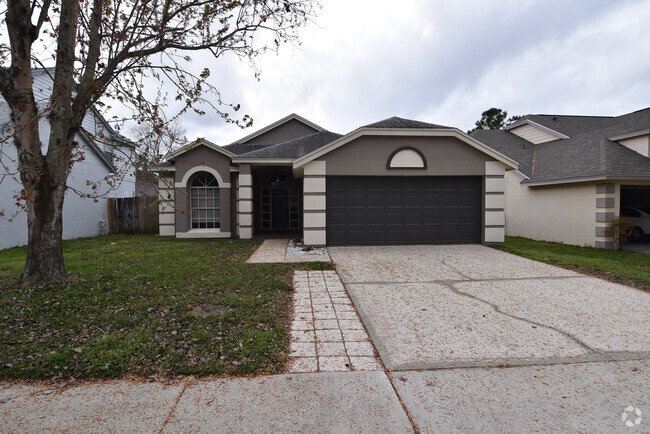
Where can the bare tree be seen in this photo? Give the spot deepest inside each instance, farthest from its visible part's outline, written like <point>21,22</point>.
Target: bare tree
<point>108,48</point>
<point>154,142</point>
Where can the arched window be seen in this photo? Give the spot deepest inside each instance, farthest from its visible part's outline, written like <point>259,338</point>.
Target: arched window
<point>204,201</point>
<point>406,158</point>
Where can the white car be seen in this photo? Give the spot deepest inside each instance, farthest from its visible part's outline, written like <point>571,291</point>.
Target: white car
<point>641,218</point>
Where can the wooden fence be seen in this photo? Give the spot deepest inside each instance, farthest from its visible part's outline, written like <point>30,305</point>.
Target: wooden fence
<point>133,215</point>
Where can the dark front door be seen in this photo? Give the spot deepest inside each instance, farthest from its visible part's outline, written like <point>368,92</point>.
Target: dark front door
<point>280,208</point>
<point>403,210</point>
<point>280,203</point>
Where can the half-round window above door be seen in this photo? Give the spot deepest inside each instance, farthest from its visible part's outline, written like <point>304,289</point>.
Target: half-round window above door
<point>406,158</point>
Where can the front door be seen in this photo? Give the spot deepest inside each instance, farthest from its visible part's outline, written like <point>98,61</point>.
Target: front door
<point>279,208</point>
<point>280,204</point>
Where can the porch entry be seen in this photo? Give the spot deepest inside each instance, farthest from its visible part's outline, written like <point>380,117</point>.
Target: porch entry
<point>280,199</point>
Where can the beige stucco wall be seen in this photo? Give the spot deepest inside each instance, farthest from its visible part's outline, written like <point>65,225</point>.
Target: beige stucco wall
<point>560,213</point>
<point>201,157</point>
<point>639,144</point>
<point>368,155</point>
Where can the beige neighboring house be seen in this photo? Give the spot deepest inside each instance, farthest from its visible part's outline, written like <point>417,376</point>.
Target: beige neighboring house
<point>396,181</point>
<point>576,173</point>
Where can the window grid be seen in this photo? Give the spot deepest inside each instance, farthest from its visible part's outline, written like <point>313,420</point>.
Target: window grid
<point>205,202</point>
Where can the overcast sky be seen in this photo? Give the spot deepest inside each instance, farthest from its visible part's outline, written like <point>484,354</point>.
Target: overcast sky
<point>444,62</point>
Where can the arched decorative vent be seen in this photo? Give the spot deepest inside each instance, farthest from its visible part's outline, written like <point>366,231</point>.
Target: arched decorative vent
<point>406,158</point>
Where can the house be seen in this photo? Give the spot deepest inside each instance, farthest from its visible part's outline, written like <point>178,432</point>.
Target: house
<point>106,154</point>
<point>575,174</point>
<point>396,181</point>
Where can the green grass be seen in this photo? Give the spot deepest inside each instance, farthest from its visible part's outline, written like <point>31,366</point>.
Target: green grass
<point>628,268</point>
<point>126,310</point>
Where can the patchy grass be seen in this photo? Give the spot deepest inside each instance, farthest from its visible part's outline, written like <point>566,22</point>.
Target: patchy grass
<point>130,308</point>
<point>628,268</point>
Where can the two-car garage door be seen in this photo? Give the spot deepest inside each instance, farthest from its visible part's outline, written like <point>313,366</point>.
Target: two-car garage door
<point>403,209</point>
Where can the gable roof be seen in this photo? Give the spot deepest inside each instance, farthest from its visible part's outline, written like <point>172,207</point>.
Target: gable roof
<point>395,122</point>
<point>276,124</point>
<point>417,128</point>
<point>293,148</point>
<point>198,142</point>
<point>587,155</point>
<point>243,148</point>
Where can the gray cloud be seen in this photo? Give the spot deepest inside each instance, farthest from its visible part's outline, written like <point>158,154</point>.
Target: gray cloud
<point>443,62</point>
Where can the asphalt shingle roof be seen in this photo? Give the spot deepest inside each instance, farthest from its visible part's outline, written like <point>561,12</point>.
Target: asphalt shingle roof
<point>295,148</point>
<point>582,155</point>
<point>521,150</point>
<point>396,122</point>
<point>243,148</point>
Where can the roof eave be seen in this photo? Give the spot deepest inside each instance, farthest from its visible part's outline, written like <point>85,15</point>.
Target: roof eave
<point>172,155</point>
<point>264,161</point>
<point>574,180</point>
<point>629,135</point>
<point>100,153</point>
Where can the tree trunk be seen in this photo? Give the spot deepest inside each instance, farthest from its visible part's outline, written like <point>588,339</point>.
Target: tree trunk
<point>45,231</point>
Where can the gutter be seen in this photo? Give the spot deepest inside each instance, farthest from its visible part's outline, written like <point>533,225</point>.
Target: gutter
<point>587,179</point>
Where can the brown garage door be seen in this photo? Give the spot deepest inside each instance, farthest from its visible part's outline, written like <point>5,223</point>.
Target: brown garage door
<point>403,210</point>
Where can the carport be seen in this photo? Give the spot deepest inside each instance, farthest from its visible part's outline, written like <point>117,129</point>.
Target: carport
<point>635,203</point>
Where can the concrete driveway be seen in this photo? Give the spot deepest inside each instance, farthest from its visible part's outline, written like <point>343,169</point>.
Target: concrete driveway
<point>454,306</point>
<point>475,339</point>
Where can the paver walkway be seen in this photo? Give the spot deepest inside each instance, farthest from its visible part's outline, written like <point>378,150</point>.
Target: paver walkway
<point>275,251</point>
<point>326,332</point>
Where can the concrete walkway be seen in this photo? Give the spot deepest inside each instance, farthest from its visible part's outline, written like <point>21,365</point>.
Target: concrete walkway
<point>274,250</point>
<point>323,402</point>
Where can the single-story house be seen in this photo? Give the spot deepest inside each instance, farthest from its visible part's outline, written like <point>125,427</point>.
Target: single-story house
<point>396,181</point>
<point>575,175</point>
<point>106,153</point>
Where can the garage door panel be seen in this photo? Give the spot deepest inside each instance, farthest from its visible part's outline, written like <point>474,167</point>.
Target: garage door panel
<point>403,210</point>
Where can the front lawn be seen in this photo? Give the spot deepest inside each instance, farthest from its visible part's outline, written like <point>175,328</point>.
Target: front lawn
<point>628,268</point>
<point>145,305</point>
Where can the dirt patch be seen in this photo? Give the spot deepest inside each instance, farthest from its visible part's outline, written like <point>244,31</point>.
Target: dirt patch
<point>203,310</point>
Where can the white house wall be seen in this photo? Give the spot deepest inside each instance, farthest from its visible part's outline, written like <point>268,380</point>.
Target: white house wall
<point>560,213</point>
<point>81,217</point>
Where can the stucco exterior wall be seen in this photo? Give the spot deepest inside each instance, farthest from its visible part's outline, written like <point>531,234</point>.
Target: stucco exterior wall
<point>287,131</point>
<point>201,158</point>
<point>368,155</point>
<point>639,144</point>
<point>560,213</point>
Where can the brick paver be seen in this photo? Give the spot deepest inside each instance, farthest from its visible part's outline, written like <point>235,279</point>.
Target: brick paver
<point>326,332</point>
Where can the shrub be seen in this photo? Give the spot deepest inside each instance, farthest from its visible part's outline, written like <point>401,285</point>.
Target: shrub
<point>621,229</point>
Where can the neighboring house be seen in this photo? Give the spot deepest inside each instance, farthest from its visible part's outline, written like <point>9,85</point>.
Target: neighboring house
<point>105,153</point>
<point>575,174</point>
<point>396,181</point>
